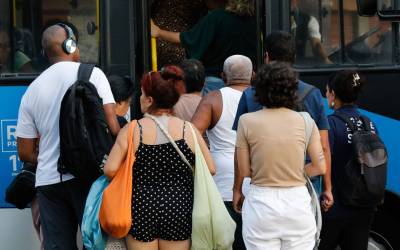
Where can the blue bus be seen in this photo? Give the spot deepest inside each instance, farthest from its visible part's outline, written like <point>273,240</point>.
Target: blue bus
<point>114,34</point>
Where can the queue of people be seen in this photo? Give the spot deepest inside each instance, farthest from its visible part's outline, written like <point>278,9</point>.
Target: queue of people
<point>254,131</point>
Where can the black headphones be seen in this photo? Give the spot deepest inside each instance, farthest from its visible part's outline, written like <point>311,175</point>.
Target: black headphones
<point>69,45</point>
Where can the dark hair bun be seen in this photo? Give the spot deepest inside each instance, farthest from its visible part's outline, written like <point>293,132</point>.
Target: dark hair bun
<point>347,85</point>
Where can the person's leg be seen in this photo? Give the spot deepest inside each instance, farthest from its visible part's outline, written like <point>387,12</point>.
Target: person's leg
<point>238,244</point>
<point>261,219</point>
<point>297,226</point>
<point>330,233</point>
<point>355,234</point>
<point>212,83</point>
<point>78,193</point>
<point>173,245</point>
<point>57,218</point>
<point>36,221</point>
<point>133,244</point>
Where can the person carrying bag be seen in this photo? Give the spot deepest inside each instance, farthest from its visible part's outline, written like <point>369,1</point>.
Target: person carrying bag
<point>212,226</point>
<point>115,211</point>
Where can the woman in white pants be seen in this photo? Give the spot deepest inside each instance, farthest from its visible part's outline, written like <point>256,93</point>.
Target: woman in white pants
<point>270,150</point>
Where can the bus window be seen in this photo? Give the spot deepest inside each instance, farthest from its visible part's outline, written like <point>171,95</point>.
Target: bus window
<point>367,39</point>
<point>330,32</point>
<point>312,22</point>
<point>22,23</point>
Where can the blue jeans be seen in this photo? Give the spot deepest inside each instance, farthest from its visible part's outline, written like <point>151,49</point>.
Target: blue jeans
<point>212,83</point>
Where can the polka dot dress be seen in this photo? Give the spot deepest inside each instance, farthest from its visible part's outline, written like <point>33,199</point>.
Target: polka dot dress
<point>162,196</point>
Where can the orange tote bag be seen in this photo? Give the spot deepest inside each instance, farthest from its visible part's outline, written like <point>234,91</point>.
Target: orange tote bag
<point>115,212</point>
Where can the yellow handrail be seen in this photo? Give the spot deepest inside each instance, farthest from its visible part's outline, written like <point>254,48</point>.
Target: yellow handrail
<point>154,66</point>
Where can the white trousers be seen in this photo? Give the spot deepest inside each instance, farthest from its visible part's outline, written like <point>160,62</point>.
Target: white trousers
<point>278,218</point>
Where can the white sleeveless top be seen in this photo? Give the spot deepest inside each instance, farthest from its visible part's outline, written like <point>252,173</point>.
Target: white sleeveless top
<point>222,140</point>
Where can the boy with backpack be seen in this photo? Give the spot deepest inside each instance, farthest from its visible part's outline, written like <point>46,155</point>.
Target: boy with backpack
<point>61,196</point>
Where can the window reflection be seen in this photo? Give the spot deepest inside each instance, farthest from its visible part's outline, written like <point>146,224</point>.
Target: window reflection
<point>20,33</point>
<point>317,28</point>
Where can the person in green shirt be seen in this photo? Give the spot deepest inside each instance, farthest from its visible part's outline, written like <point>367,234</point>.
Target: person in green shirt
<point>223,32</point>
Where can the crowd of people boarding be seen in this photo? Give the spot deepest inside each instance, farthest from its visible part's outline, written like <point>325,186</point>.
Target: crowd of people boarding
<point>251,127</point>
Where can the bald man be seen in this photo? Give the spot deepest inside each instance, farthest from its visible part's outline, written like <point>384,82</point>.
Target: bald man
<point>215,115</point>
<point>61,197</point>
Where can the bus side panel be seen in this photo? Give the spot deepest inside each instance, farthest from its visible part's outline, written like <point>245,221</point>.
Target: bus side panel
<point>16,228</point>
<point>10,98</point>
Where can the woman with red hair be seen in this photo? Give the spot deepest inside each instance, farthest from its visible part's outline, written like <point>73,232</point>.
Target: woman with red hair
<point>162,193</point>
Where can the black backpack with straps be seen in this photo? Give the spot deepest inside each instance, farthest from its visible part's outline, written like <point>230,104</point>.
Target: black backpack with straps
<point>85,138</point>
<point>363,184</point>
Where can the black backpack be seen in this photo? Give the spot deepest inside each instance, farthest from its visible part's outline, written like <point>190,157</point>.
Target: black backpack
<point>85,139</point>
<point>364,181</point>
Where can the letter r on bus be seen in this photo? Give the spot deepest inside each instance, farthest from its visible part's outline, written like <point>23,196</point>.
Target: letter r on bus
<point>11,132</point>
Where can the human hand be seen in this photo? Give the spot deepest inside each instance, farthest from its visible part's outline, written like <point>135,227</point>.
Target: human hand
<point>237,201</point>
<point>155,30</point>
<point>326,200</point>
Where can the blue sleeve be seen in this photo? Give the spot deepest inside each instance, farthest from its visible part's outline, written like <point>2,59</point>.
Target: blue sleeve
<point>319,108</point>
<point>242,109</point>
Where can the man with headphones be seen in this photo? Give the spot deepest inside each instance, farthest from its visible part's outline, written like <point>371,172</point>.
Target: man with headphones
<point>61,200</point>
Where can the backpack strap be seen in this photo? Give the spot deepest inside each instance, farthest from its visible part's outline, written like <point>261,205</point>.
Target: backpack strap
<point>85,71</point>
<point>346,120</point>
<point>366,123</point>
<point>306,91</point>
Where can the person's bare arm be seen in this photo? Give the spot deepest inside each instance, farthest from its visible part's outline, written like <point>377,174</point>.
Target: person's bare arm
<point>111,118</point>
<point>206,152</point>
<point>242,170</point>
<point>319,51</point>
<point>117,154</point>
<point>202,118</point>
<point>169,36</point>
<point>314,150</point>
<point>327,193</point>
<point>27,149</point>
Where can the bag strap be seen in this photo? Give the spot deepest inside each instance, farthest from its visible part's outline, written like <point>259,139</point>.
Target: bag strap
<point>346,120</point>
<point>171,140</point>
<point>85,71</point>
<point>309,128</point>
<point>366,123</point>
<point>306,91</point>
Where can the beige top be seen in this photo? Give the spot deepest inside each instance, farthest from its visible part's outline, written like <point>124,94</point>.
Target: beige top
<point>186,106</point>
<point>276,141</point>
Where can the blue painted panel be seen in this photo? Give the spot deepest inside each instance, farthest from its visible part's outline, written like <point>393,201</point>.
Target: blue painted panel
<point>10,98</point>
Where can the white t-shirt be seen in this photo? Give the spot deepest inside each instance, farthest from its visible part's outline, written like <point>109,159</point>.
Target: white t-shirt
<point>39,114</point>
<point>313,28</point>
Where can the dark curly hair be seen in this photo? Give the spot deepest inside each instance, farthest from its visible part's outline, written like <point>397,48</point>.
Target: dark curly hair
<point>347,85</point>
<point>276,85</point>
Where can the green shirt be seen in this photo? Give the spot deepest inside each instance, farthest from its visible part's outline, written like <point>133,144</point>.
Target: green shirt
<point>217,36</point>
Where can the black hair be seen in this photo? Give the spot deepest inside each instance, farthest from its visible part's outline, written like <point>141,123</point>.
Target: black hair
<point>281,46</point>
<point>121,87</point>
<point>276,85</point>
<point>194,75</point>
<point>347,85</point>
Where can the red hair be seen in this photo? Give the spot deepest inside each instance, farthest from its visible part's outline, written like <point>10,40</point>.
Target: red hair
<point>165,86</point>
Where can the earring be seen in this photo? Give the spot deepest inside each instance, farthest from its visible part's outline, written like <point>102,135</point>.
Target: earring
<point>332,104</point>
